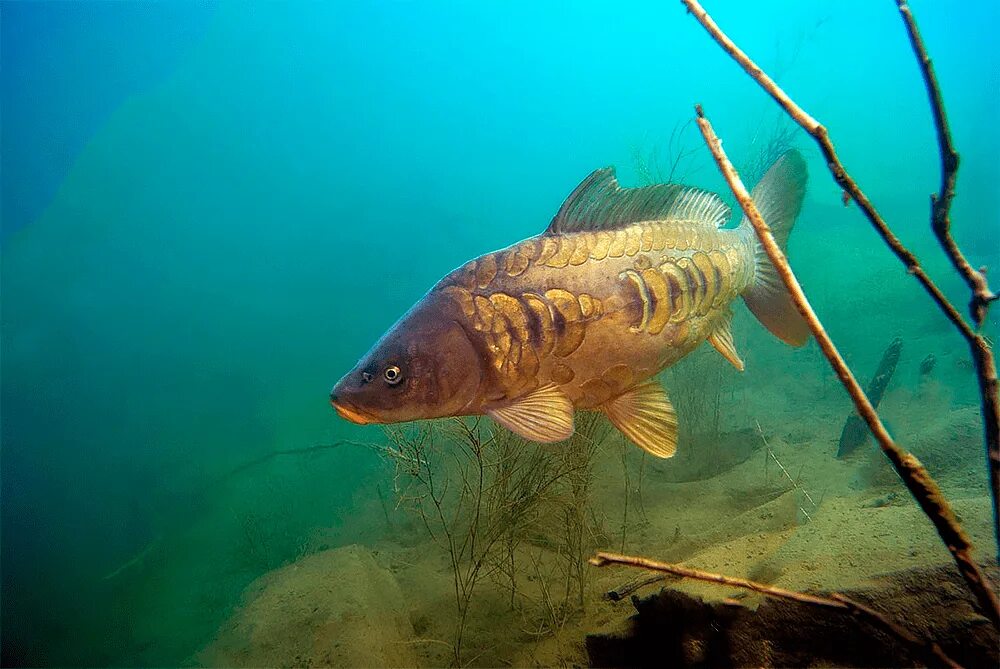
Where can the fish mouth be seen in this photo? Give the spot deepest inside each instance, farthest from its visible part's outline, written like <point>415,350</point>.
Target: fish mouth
<point>349,414</point>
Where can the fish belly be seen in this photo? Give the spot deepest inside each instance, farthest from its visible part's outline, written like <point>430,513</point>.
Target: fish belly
<point>614,357</point>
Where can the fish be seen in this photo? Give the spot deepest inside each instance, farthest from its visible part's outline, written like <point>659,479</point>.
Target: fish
<point>623,283</point>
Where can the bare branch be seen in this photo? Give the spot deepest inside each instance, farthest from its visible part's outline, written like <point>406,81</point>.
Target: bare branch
<point>981,351</point>
<point>918,481</point>
<point>840,175</point>
<point>260,460</point>
<point>928,650</point>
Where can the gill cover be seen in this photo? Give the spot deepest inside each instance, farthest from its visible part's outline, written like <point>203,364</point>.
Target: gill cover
<point>425,366</point>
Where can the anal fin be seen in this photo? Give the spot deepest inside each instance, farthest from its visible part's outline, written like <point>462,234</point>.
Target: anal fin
<point>722,339</point>
<point>646,417</point>
<point>545,415</point>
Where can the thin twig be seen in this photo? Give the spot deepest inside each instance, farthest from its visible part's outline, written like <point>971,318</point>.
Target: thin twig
<point>918,481</point>
<point>982,354</point>
<point>287,451</point>
<point>794,482</point>
<point>840,175</point>
<point>928,650</point>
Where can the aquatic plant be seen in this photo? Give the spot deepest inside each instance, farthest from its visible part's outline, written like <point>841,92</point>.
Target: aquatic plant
<point>482,493</point>
<point>580,529</point>
<point>653,167</point>
<point>628,492</point>
<point>918,481</point>
<point>769,145</point>
<point>696,386</point>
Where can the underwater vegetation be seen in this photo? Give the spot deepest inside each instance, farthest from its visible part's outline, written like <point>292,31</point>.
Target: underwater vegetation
<point>504,510</point>
<point>233,202</point>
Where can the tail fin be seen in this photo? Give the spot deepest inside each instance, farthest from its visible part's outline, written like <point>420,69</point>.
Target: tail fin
<point>778,196</point>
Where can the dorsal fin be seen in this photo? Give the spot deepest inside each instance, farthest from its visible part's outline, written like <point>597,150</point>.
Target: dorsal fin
<point>700,206</point>
<point>600,203</point>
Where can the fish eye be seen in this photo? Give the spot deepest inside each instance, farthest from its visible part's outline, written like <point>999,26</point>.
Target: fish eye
<point>393,375</point>
<point>366,377</point>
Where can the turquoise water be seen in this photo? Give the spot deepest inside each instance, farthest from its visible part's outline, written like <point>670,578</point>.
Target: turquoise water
<point>211,211</point>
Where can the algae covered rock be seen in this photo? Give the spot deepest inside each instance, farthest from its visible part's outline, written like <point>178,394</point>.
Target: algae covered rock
<point>337,608</point>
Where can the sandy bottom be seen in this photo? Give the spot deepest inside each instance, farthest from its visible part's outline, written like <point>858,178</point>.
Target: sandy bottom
<point>811,522</point>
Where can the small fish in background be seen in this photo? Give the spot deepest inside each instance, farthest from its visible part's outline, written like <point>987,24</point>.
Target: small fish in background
<point>927,366</point>
<point>623,283</point>
<point>965,364</point>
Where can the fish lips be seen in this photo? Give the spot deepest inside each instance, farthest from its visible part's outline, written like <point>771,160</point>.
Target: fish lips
<point>351,415</point>
<point>348,412</point>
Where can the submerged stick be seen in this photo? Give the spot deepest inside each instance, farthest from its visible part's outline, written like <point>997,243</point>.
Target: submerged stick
<point>840,175</point>
<point>981,352</point>
<point>928,650</point>
<point>623,591</point>
<point>287,451</point>
<point>917,480</point>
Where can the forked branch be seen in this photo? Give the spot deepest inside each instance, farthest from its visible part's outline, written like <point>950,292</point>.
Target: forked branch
<point>928,650</point>
<point>840,175</point>
<point>917,480</point>
<point>981,351</point>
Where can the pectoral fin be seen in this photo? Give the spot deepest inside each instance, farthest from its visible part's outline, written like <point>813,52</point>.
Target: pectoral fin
<point>546,415</point>
<point>722,339</point>
<point>645,415</point>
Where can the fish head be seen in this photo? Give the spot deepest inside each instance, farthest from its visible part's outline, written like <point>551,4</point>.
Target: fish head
<point>425,366</point>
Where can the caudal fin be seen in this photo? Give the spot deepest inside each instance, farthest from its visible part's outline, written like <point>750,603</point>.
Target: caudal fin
<point>778,197</point>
